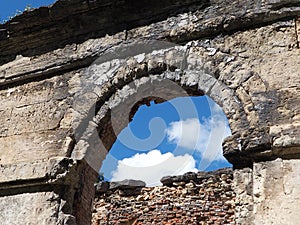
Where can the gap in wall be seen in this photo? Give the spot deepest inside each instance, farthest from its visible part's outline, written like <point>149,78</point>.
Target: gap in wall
<point>171,138</point>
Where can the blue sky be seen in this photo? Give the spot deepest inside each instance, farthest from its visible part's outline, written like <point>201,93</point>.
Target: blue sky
<point>184,140</point>
<point>9,7</point>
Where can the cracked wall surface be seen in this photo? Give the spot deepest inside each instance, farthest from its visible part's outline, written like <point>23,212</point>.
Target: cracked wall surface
<point>55,132</point>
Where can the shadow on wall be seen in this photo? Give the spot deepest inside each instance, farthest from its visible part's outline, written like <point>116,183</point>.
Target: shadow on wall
<point>66,26</point>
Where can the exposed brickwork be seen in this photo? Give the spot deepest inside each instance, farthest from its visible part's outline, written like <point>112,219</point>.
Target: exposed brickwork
<point>208,199</point>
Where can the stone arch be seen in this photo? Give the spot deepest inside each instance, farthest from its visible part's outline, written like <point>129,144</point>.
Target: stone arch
<point>96,133</point>
<point>196,74</point>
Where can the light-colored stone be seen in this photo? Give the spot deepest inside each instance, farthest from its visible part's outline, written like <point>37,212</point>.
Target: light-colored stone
<point>268,194</point>
<point>31,209</point>
<point>276,192</point>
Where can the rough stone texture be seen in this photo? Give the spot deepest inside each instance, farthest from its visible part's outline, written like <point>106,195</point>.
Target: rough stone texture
<point>125,187</point>
<point>243,188</point>
<point>206,199</point>
<point>32,116</point>
<point>243,54</point>
<point>268,193</point>
<point>33,208</point>
<point>127,184</point>
<point>276,190</point>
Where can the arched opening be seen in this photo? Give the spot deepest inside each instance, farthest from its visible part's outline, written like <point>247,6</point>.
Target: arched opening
<point>125,89</point>
<point>188,143</point>
<point>119,109</point>
<point>171,138</point>
<point>97,134</point>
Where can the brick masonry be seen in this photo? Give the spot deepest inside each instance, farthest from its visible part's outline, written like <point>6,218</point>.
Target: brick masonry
<point>197,198</point>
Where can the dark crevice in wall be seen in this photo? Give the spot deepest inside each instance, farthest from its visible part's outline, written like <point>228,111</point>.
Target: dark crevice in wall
<point>43,75</point>
<point>28,186</point>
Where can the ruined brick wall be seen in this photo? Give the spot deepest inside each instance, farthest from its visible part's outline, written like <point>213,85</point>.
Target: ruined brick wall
<point>203,198</point>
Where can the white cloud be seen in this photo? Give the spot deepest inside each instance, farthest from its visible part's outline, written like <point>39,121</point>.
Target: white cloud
<point>152,166</point>
<point>183,133</point>
<point>206,137</point>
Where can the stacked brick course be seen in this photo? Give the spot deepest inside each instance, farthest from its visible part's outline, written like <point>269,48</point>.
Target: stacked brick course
<point>207,198</point>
